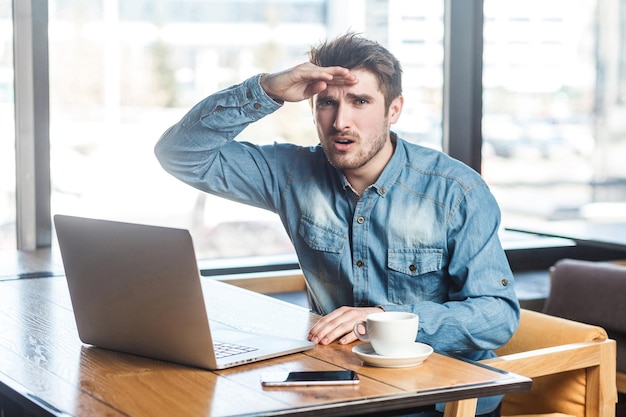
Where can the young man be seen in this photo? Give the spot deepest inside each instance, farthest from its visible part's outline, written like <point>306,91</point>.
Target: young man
<point>377,223</point>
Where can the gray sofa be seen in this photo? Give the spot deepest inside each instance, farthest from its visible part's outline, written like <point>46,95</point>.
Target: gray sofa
<point>593,293</point>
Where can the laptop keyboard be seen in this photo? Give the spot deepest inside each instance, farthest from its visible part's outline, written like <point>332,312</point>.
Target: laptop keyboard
<point>223,349</point>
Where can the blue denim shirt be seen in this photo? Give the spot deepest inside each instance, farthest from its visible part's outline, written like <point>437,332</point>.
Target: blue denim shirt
<point>422,238</point>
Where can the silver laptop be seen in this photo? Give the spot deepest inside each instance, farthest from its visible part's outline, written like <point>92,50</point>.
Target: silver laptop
<point>136,289</point>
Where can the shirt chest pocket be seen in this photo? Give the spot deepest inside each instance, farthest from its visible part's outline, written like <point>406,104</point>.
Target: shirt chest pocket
<point>319,237</point>
<point>322,253</point>
<point>415,275</point>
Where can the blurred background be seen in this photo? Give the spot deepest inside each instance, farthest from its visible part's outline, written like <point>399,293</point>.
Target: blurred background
<point>554,103</point>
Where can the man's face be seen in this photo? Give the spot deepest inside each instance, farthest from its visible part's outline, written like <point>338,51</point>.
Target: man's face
<point>353,125</point>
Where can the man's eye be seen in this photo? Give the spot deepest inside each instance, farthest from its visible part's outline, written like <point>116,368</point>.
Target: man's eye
<point>325,103</point>
<point>361,102</point>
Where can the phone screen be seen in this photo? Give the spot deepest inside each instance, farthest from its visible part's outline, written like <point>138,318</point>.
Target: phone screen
<point>276,379</point>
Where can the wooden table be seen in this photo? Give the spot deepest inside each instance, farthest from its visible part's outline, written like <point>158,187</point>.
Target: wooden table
<point>46,370</point>
<point>34,264</point>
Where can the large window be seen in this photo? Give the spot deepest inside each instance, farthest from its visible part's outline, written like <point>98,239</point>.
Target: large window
<point>122,72</point>
<point>7,130</point>
<point>554,112</point>
<point>554,126</point>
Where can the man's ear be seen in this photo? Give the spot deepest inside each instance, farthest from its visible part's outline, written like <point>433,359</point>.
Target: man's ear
<point>395,108</point>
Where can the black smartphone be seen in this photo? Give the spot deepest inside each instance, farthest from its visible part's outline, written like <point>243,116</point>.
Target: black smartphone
<point>288,379</point>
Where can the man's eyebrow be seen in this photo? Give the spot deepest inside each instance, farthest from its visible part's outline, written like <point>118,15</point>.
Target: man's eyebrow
<point>352,96</point>
<point>365,97</point>
<point>322,97</point>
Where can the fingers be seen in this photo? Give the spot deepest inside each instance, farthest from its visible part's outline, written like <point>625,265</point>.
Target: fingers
<point>304,81</point>
<point>327,76</point>
<point>332,326</point>
<point>315,87</point>
<point>348,338</point>
<point>330,75</point>
<point>338,325</point>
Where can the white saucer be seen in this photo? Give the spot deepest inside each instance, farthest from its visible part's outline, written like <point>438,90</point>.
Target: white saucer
<point>419,353</point>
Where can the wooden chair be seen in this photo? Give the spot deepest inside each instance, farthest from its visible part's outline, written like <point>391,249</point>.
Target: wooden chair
<point>572,366</point>
<point>594,293</point>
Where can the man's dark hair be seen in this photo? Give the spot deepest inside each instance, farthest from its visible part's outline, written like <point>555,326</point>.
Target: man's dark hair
<point>354,52</point>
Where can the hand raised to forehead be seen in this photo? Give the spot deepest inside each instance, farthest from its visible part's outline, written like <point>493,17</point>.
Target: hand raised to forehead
<point>304,81</point>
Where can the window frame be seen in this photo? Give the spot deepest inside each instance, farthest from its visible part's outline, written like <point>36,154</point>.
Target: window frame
<point>32,124</point>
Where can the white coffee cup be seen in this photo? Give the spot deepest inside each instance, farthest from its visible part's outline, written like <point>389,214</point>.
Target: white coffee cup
<point>391,333</point>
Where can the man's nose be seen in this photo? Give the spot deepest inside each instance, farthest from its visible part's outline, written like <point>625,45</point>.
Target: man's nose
<point>342,118</point>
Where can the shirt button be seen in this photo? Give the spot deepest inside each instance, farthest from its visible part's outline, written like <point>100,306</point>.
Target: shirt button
<point>360,220</point>
<point>249,95</point>
<point>505,282</point>
<point>412,268</point>
<point>257,106</point>
<point>360,263</point>
<point>383,191</point>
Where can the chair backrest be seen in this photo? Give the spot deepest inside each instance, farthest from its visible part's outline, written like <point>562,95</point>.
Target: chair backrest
<point>572,366</point>
<point>590,292</point>
<point>594,293</point>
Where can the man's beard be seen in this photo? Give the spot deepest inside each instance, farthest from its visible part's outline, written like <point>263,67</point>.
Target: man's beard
<point>344,161</point>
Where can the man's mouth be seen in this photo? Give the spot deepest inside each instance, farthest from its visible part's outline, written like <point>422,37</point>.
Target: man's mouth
<point>343,139</point>
<point>343,143</point>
